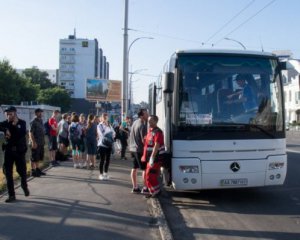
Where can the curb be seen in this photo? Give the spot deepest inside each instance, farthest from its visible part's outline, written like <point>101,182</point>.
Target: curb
<point>163,226</point>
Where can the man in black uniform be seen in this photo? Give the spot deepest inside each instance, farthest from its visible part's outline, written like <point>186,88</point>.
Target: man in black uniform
<point>14,151</point>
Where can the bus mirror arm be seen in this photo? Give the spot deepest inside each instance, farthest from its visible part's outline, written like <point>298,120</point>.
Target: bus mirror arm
<point>167,126</point>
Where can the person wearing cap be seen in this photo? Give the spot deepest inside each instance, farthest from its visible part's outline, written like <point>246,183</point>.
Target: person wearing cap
<point>14,149</point>
<point>37,142</point>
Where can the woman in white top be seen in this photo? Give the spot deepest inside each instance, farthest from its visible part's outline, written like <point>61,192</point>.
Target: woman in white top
<point>105,143</point>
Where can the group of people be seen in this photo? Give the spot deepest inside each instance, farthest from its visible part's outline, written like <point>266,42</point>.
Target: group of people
<point>96,136</point>
<point>85,139</point>
<point>148,152</point>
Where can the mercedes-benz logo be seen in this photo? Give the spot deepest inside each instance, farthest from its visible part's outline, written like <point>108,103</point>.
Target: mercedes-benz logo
<point>235,166</point>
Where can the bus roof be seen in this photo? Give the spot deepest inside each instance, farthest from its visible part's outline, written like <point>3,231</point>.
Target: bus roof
<point>226,51</point>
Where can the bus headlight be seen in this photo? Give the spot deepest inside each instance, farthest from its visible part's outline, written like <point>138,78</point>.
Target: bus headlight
<point>189,169</point>
<point>276,165</point>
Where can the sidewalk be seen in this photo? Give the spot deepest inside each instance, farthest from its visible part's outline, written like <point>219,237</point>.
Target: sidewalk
<point>74,204</point>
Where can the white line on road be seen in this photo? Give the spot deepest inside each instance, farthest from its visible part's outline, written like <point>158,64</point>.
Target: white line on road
<point>291,150</point>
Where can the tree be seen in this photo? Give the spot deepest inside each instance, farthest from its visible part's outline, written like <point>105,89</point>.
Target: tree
<point>29,91</point>
<point>56,97</point>
<point>144,105</point>
<point>10,84</point>
<point>38,77</point>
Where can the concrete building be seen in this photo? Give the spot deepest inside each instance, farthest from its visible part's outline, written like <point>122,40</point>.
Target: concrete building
<point>79,59</point>
<point>291,85</point>
<point>52,74</point>
<point>291,80</point>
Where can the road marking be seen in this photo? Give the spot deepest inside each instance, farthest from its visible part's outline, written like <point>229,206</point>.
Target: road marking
<point>291,150</point>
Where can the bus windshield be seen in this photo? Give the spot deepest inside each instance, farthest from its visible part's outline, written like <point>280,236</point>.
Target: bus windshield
<point>228,93</point>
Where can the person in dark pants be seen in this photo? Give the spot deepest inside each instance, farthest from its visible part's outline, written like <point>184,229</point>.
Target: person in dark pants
<point>37,142</point>
<point>105,143</point>
<point>124,132</point>
<point>14,151</point>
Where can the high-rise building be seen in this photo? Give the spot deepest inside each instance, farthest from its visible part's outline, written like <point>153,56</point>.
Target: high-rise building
<point>100,61</point>
<point>79,59</point>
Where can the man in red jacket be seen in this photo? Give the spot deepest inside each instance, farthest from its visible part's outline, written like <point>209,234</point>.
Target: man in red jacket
<point>153,150</point>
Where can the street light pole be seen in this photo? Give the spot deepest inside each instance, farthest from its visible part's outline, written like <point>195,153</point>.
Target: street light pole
<point>124,108</point>
<point>128,51</point>
<point>137,40</point>
<point>130,86</point>
<point>230,39</point>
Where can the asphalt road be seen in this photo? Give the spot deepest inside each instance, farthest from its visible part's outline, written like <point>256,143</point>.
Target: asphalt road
<point>259,213</point>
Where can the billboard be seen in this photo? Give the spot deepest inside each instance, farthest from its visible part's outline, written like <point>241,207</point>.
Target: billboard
<point>103,90</point>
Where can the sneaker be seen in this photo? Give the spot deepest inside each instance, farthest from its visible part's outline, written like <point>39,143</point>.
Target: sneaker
<point>84,165</point>
<point>101,177</point>
<point>136,190</point>
<point>40,172</point>
<point>92,167</point>
<point>10,199</point>
<point>26,192</point>
<point>80,165</point>
<point>145,191</point>
<point>75,165</point>
<point>35,173</point>
<point>105,176</point>
<point>54,163</point>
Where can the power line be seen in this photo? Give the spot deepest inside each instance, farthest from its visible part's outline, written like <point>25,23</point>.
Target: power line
<point>243,23</point>
<point>227,23</point>
<point>165,36</point>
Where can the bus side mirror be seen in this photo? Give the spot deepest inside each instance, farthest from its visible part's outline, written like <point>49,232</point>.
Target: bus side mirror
<point>168,82</point>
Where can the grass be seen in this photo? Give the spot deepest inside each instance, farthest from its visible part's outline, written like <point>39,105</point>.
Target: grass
<point>43,164</point>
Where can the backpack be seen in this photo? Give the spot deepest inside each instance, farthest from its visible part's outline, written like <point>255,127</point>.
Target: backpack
<point>47,128</point>
<point>74,132</point>
<point>107,139</point>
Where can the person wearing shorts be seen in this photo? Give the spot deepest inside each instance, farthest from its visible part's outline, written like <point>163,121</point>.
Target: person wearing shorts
<point>136,144</point>
<point>63,133</point>
<point>37,142</point>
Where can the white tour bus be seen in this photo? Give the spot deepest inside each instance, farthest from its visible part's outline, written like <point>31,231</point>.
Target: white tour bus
<point>222,114</point>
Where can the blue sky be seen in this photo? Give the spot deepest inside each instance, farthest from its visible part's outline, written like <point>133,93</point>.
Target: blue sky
<point>30,30</point>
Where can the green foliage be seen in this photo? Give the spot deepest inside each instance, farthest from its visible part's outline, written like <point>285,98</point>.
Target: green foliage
<point>38,77</point>
<point>32,85</point>
<point>29,90</point>
<point>56,97</point>
<point>10,84</point>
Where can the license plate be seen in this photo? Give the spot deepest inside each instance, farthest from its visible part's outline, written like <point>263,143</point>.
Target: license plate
<point>234,182</point>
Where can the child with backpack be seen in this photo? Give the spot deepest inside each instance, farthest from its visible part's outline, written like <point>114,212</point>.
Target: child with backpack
<point>75,139</point>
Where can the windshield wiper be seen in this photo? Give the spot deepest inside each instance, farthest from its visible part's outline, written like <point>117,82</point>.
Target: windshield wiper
<point>262,130</point>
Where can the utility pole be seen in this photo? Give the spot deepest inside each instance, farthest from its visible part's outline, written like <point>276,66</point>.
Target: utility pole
<point>124,109</point>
